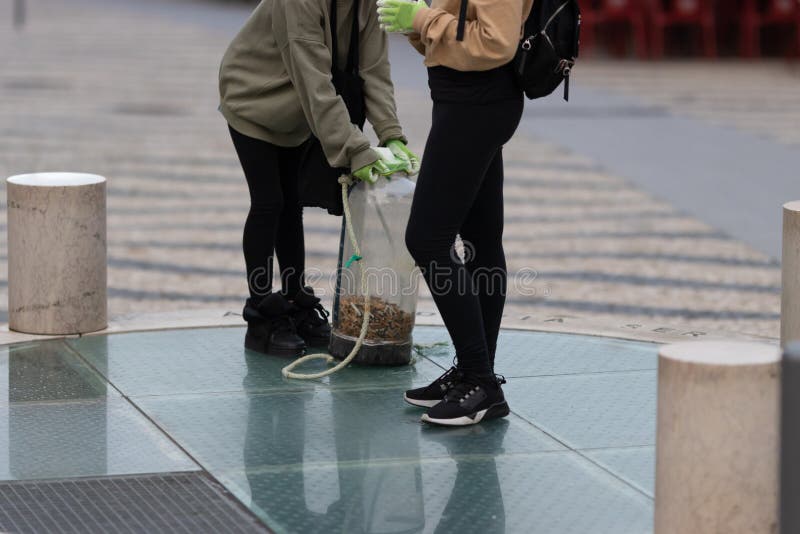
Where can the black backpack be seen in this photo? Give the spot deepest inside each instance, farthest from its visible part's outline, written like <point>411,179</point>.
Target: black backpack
<point>549,46</point>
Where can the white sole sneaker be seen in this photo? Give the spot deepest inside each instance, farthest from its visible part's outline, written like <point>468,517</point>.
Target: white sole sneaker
<point>457,421</point>
<point>421,403</point>
<point>495,411</point>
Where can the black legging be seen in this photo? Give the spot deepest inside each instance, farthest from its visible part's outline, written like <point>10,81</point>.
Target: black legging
<point>460,191</point>
<point>275,221</point>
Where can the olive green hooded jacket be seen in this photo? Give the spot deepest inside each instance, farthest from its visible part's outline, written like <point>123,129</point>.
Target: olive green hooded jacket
<point>275,79</point>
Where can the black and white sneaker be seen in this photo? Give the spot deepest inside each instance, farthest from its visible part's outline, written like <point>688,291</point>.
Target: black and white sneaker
<point>433,394</point>
<point>469,402</point>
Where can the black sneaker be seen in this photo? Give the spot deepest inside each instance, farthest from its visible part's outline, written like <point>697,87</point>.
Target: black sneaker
<point>270,329</point>
<point>311,319</point>
<point>469,402</point>
<point>432,394</point>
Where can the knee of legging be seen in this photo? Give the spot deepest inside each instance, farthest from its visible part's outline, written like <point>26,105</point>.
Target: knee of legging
<point>415,241</point>
<point>424,243</point>
<point>272,207</point>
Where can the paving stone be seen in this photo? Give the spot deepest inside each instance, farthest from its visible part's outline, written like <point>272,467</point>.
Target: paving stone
<point>93,89</point>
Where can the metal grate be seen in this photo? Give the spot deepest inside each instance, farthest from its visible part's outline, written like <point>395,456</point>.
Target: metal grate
<point>190,502</point>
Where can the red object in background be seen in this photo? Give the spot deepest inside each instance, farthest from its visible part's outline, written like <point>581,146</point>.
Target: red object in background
<point>602,12</point>
<point>697,13</point>
<point>755,15</point>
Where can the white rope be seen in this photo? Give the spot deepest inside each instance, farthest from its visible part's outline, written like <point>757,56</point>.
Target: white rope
<point>287,371</point>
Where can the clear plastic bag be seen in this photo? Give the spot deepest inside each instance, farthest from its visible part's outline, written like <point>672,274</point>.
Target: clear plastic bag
<point>379,213</point>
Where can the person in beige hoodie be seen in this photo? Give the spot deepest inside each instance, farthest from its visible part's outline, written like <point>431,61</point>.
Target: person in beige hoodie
<point>477,106</point>
<point>276,91</point>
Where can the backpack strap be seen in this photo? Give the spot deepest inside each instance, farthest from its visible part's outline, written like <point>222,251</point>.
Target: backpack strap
<point>462,20</point>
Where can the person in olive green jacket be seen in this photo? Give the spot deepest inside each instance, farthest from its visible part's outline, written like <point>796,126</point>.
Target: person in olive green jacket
<point>276,91</point>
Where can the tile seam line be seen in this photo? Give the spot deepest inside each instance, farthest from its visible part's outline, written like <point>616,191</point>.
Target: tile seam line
<point>585,327</point>
<point>584,456</point>
<point>241,505</point>
<point>136,407</point>
<point>388,462</point>
<point>64,402</point>
<point>265,392</point>
<point>552,375</point>
<point>621,448</point>
<point>588,373</point>
<point>576,451</point>
<point>90,478</point>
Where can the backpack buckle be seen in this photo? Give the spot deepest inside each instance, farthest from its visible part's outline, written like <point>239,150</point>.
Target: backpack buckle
<point>526,44</point>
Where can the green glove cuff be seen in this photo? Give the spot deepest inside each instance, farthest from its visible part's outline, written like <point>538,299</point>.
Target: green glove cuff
<point>398,15</point>
<point>366,173</point>
<point>395,158</point>
<point>401,151</point>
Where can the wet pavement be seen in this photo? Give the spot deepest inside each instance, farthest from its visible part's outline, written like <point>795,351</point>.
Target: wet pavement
<point>345,453</point>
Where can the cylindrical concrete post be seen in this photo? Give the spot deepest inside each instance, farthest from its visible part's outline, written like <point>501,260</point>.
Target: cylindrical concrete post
<point>717,438</point>
<point>790,440</point>
<point>790,292</point>
<point>57,253</point>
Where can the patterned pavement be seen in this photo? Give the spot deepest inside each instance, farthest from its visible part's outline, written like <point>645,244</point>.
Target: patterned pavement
<point>762,98</point>
<point>131,94</point>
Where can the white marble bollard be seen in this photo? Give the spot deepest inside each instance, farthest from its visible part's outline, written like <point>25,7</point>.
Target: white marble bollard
<point>717,438</point>
<point>790,292</point>
<point>57,253</point>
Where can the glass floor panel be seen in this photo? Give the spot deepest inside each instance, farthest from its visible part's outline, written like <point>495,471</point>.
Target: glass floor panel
<point>345,453</point>
<point>556,492</point>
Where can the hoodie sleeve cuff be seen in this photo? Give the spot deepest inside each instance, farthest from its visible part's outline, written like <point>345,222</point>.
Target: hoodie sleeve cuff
<point>419,19</point>
<point>362,159</point>
<point>390,132</point>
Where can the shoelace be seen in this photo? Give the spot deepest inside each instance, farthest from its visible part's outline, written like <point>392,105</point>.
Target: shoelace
<point>461,391</point>
<point>283,323</point>
<point>447,378</point>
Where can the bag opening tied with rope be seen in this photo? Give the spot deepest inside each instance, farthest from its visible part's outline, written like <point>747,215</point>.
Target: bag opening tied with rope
<point>376,281</point>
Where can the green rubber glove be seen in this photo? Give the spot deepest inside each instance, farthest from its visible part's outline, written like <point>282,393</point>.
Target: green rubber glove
<point>387,165</point>
<point>401,152</point>
<point>398,15</point>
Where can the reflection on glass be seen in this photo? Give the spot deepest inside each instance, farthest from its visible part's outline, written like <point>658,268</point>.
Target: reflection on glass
<point>384,499</point>
<point>370,498</point>
<point>348,460</point>
<point>273,439</point>
<point>476,502</point>
<point>43,441</point>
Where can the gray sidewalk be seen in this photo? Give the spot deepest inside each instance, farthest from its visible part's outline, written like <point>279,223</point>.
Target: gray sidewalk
<point>128,90</point>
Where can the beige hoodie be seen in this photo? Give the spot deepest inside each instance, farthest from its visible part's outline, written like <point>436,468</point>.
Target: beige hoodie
<point>491,34</point>
<point>275,79</point>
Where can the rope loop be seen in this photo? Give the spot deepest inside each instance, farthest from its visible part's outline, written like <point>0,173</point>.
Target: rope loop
<point>287,371</point>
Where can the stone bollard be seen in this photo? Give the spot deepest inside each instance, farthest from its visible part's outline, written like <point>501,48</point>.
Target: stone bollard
<point>790,292</point>
<point>790,439</point>
<point>717,438</point>
<point>57,253</point>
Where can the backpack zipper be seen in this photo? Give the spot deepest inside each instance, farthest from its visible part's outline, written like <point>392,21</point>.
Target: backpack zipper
<point>526,44</point>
